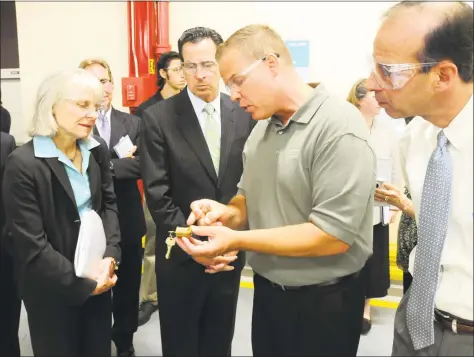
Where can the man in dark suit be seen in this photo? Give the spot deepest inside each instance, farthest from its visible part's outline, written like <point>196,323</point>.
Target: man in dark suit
<point>192,147</point>
<point>170,78</point>
<point>10,303</point>
<point>112,125</point>
<point>5,118</point>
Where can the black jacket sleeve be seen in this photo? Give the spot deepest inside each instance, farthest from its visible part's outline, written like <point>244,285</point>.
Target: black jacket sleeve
<point>128,168</point>
<point>38,259</point>
<point>109,202</point>
<point>155,172</point>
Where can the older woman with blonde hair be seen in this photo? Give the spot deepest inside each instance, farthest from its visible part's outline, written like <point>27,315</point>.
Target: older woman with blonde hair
<point>50,183</point>
<point>384,142</point>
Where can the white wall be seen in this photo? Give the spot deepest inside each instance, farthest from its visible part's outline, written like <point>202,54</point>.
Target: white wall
<point>58,35</point>
<point>340,34</point>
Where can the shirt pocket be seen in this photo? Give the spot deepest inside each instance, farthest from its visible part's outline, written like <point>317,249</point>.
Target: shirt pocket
<point>290,171</point>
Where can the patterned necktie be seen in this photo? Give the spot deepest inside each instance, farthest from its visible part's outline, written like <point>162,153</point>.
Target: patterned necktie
<point>432,230</point>
<point>104,126</point>
<point>212,135</point>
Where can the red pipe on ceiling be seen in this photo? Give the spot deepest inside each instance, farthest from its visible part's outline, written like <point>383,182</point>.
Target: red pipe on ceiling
<point>163,35</point>
<point>148,32</point>
<point>148,39</point>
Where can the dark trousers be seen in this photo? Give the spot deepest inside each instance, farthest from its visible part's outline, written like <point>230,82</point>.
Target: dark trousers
<point>10,308</point>
<point>197,310</point>
<point>309,321</point>
<point>59,329</point>
<point>126,295</point>
<point>407,279</point>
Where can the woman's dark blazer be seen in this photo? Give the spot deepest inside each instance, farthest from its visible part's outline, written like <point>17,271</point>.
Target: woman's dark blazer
<point>43,221</point>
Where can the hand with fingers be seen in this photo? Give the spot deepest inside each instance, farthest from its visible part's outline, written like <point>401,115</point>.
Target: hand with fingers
<point>215,254</point>
<point>131,153</point>
<point>391,194</point>
<point>105,277</point>
<point>206,213</point>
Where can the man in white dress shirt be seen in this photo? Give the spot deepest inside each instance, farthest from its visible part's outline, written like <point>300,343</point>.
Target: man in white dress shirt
<point>424,67</point>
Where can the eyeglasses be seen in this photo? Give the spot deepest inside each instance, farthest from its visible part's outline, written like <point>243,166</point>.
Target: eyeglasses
<point>206,67</point>
<point>396,76</point>
<point>237,80</point>
<point>175,69</point>
<point>105,81</point>
<point>88,109</point>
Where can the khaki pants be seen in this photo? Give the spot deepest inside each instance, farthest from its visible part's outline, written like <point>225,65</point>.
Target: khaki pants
<point>148,282</point>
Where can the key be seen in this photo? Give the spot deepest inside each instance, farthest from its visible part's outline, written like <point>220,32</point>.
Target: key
<point>170,242</point>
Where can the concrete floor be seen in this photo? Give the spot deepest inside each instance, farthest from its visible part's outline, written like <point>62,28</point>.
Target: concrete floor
<point>148,343</point>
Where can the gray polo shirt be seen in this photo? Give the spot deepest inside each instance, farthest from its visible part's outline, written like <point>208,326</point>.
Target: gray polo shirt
<point>318,168</point>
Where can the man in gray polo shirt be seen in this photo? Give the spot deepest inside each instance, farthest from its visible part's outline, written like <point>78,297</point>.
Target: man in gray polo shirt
<point>304,206</point>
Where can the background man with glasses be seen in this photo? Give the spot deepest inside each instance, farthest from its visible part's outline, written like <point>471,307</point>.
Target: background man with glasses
<point>424,67</point>
<point>192,148</point>
<point>111,125</point>
<point>306,196</point>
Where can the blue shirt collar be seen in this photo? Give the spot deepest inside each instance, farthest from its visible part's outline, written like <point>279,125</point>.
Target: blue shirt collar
<point>45,147</point>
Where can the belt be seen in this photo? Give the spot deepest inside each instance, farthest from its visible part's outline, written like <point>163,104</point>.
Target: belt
<point>320,285</point>
<point>454,324</point>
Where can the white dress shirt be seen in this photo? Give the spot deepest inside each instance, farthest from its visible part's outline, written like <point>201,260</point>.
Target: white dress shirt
<point>384,141</point>
<point>199,104</point>
<point>455,290</point>
<point>99,125</point>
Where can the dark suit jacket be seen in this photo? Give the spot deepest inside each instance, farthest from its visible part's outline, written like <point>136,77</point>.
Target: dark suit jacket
<point>5,120</point>
<point>7,145</point>
<point>155,98</point>
<point>177,166</point>
<point>43,221</point>
<point>126,172</point>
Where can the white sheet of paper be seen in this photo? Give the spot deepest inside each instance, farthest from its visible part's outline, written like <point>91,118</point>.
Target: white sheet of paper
<point>91,245</point>
<point>123,147</point>
<point>384,174</point>
<point>385,211</point>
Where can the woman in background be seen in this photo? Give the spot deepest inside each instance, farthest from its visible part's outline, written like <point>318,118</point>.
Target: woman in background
<point>49,183</point>
<point>407,238</point>
<point>384,143</point>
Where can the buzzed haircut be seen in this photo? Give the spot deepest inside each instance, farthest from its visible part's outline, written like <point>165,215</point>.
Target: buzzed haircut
<point>256,41</point>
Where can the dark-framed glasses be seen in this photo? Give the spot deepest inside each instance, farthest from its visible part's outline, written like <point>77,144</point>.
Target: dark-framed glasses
<point>208,67</point>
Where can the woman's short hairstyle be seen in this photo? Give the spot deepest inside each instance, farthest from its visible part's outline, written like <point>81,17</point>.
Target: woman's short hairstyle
<point>358,92</point>
<point>53,90</point>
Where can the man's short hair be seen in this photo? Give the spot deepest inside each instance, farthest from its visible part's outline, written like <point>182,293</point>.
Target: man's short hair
<point>53,90</point>
<point>256,41</point>
<point>197,34</point>
<point>451,40</point>
<point>90,61</point>
<point>163,63</point>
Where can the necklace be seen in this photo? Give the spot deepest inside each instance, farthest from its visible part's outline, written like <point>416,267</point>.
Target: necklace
<point>73,156</point>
